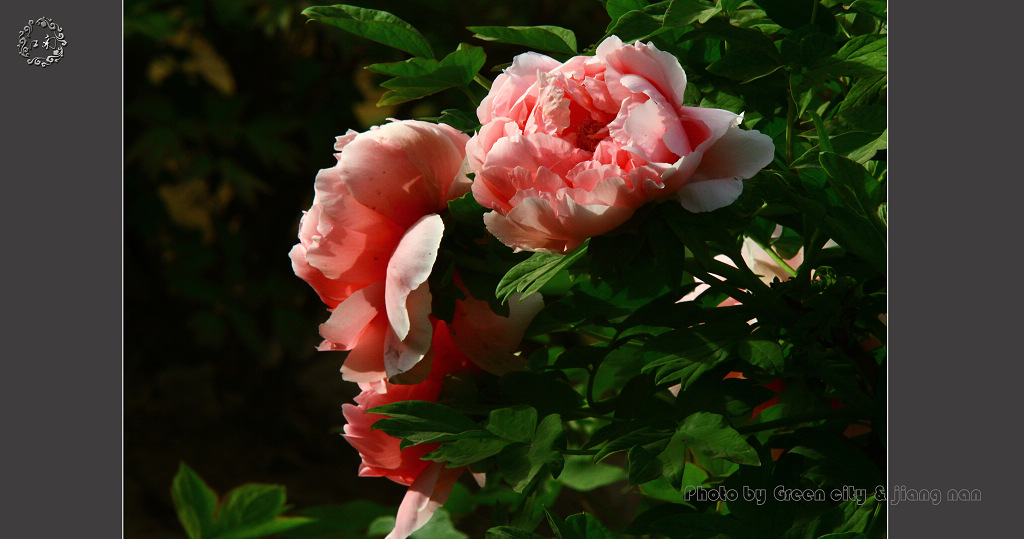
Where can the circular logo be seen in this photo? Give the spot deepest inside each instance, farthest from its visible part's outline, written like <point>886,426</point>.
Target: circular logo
<point>42,42</point>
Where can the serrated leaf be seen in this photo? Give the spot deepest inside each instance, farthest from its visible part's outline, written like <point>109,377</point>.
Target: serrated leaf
<point>194,501</point>
<point>375,25</point>
<point>709,435</point>
<point>528,276</point>
<point>546,38</point>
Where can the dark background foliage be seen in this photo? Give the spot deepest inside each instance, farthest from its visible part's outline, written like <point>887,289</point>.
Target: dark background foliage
<point>231,106</point>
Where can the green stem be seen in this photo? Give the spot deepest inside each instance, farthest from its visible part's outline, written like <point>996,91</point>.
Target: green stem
<point>776,258</point>
<point>482,82</point>
<point>814,11</point>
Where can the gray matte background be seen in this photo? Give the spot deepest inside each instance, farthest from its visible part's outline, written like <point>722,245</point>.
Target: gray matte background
<point>954,319</point>
<point>954,281</point>
<point>60,229</point>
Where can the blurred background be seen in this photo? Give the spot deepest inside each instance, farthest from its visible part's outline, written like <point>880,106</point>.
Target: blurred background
<point>230,108</point>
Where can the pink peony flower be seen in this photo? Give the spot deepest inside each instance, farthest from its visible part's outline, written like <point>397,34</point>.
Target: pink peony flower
<point>569,151</point>
<point>429,482</point>
<point>371,237</point>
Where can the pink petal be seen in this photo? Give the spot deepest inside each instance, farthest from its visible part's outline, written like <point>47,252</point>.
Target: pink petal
<point>401,355</point>
<point>363,364</point>
<point>489,339</point>
<point>403,170</point>
<point>410,267</point>
<point>642,66</point>
<point>738,154</point>
<point>709,195</point>
<point>424,497</point>
<point>351,317</point>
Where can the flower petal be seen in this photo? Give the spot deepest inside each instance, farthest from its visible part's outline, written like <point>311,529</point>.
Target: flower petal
<point>709,195</point>
<point>489,339</point>
<point>409,268</point>
<point>424,497</point>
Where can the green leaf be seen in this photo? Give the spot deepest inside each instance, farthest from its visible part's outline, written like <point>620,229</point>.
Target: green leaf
<point>421,421</point>
<point>823,141</point>
<point>557,525</point>
<point>466,451</point>
<point>194,501</point>
<point>582,474</point>
<point>686,12</point>
<point>467,211</point>
<point>862,56</point>
<point>618,8</point>
<point>266,529</point>
<point>508,532</point>
<point>333,521</point>
<point>250,505</point>
<point>683,355</point>
<point>644,466</point>
<point>646,436</point>
<point>439,526</point>
<point>530,275</point>
<point>793,14</point>
<point>548,393</point>
<point>634,25</point>
<point>745,65</point>
<point>585,526</point>
<point>515,424</point>
<point>420,77</point>
<point>546,38</point>
<point>710,435</point>
<point>864,91</point>
<point>459,120</point>
<point>379,26</point>
<point>520,463</point>
<point>673,460</point>
<point>736,37</point>
<point>763,353</point>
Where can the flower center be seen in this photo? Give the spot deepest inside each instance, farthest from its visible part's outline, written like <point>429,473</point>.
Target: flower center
<point>590,133</point>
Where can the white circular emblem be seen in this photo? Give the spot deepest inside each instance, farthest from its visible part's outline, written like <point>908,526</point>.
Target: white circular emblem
<point>42,42</point>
